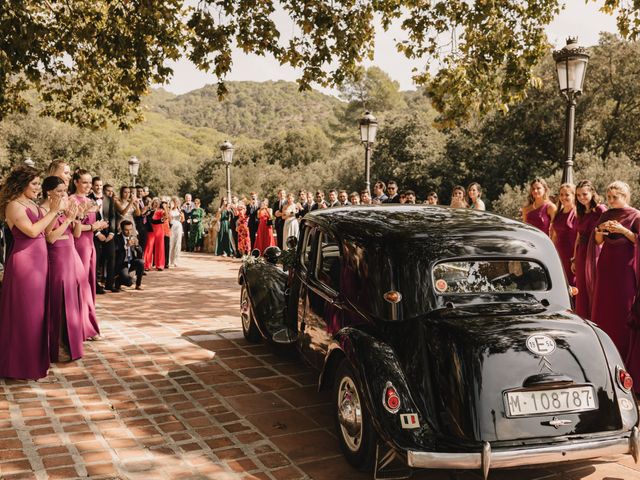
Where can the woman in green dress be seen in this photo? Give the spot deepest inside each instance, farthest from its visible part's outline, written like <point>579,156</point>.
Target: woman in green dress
<point>225,242</point>
<point>196,229</point>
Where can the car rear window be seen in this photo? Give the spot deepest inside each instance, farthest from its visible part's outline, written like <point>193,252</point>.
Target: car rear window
<point>489,276</point>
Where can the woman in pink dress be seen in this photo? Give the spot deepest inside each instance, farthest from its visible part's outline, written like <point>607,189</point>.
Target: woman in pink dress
<point>84,242</point>
<point>616,274</point>
<point>67,309</point>
<point>539,211</point>
<point>588,212</point>
<point>24,336</point>
<point>563,229</point>
<point>264,238</point>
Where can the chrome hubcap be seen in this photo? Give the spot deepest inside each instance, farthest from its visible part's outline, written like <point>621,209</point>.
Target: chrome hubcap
<point>245,309</point>
<point>350,414</point>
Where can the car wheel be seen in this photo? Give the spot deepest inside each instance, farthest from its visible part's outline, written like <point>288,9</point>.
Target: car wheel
<point>353,423</point>
<point>249,329</point>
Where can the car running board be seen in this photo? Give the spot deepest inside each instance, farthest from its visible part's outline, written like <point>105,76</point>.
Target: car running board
<point>389,465</point>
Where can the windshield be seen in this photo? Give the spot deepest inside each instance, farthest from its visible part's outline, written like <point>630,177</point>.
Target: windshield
<point>489,276</point>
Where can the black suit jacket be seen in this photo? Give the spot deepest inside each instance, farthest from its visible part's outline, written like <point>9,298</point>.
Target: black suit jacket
<point>394,199</point>
<point>106,213</point>
<point>121,252</point>
<point>275,207</point>
<point>252,213</point>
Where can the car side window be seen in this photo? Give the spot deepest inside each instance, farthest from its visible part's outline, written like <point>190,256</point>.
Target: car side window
<point>305,250</point>
<point>328,265</point>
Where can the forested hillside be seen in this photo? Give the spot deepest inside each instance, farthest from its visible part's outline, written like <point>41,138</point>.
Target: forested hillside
<point>287,139</point>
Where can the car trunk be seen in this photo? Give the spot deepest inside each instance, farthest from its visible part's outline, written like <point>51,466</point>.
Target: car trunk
<point>461,367</point>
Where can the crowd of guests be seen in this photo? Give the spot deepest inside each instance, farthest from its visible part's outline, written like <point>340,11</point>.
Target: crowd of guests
<point>69,237</point>
<point>251,223</point>
<point>598,247</point>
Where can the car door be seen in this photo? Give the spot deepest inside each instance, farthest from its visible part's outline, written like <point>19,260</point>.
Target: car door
<point>323,312</point>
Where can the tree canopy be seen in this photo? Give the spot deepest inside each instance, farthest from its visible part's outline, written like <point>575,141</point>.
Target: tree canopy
<point>90,61</point>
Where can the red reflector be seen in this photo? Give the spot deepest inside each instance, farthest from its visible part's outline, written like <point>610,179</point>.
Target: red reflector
<point>391,399</point>
<point>625,380</point>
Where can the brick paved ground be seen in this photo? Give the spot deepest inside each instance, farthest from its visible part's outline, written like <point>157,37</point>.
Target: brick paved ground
<point>174,392</point>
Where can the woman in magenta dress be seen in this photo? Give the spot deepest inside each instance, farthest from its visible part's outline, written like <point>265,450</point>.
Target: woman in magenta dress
<point>616,274</point>
<point>24,336</point>
<point>66,306</point>
<point>588,212</point>
<point>84,242</point>
<point>264,237</point>
<point>563,229</point>
<point>539,211</point>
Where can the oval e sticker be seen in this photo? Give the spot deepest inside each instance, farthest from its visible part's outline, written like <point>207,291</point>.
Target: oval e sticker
<point>541,344</point>
<point>625,404</point>
<point>441,285</point>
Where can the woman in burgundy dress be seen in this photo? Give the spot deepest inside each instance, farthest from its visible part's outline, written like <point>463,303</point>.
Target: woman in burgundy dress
<point>588,212</point>
<point>563,229</point>
<point>84,243</point>
<point>539,211</point>
<point>264,238</point>
<point>67,309</point>
<point>616,274</point>
<point>24,336</point>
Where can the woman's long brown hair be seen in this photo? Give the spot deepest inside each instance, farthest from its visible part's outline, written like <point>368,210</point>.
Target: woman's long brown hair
<point>13,186</point>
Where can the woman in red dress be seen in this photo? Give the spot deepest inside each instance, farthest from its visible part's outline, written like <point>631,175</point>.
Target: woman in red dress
<point>264,238</point>
<point>563,229</point>
<point>539,211</point>
<point>154,250</point>
<point>588,212</point>
<point>242,227</point>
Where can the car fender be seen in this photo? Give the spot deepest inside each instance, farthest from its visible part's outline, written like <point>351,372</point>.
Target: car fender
<point>266,286</point>
<point>629,416</point>
<point>375,364</point>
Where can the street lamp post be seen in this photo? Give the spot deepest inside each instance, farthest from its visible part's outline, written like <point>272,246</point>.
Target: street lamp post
<point>227,156</point>
<point>571,66</point>
<point>368,130</point>
<point>134,166</point>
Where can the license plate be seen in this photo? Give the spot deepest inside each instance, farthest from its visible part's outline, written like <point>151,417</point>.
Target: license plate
<point>539,402</point>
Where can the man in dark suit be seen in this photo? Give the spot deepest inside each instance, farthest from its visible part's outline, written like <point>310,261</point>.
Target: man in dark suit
<point>277,211</point>
<point>343,198</point>
<point>333,199</point>
<point>103,239</point>
<point>392,189</point>
<point>252,213</point>
<point>320,203</point>
<point>128,257</point>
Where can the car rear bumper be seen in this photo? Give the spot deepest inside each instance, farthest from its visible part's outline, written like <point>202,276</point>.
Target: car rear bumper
<point>567,452</point>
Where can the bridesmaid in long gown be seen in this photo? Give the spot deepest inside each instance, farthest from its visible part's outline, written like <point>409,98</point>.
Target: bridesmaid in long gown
<point>67,308</point>
<point>588,212</point>
<point>616,274</point>
<point>539,211</point>
<point>196,230</point>
<point>24,336</point>
<point>264,237</point>
<point>154,250</point>
<point>563,229</point>
<point>225,241</point>
<point>84,242</point>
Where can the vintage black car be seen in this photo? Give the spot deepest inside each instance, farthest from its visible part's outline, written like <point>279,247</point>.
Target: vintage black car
<point>448,339</point>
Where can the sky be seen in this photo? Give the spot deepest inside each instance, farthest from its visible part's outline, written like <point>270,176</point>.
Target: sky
<point>577,19</point>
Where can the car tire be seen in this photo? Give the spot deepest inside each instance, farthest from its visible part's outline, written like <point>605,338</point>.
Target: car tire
<point>356,434</point>
<point>249,328</point>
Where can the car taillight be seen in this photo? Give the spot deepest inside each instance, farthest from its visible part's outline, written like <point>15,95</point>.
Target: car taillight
<point>391,399</point>
<point>624,379</point>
